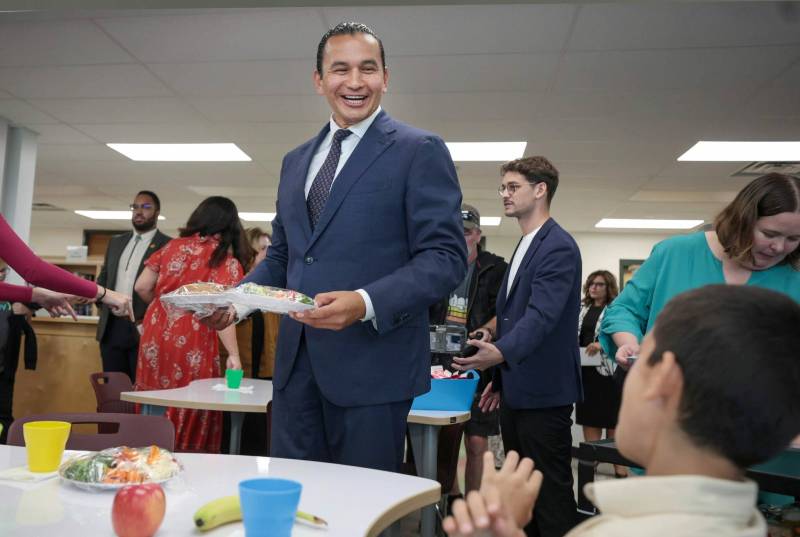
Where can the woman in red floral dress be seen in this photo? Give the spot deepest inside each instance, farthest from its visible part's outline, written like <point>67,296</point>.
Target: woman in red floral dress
<point>175,351</point>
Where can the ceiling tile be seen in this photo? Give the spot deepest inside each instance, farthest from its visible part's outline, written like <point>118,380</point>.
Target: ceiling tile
<point>23,113</point>
<point>264,108</point>
<point>81,81</point>
<point>89,155</point>
<point>61,134</point>
<point>153,133</point>
<point>69,42</point>
<point>255,34</point>
<point>658,70</point>
<point>473,73</point>
<point>641,25</point>
<point>222,79</point>
<point>122,110</point>
<point>462,29</point>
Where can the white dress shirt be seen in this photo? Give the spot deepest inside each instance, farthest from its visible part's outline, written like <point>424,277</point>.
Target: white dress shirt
<point>519,255</point>
<point>349,145</point>
<point>130,259</point>
<point>670,506</point>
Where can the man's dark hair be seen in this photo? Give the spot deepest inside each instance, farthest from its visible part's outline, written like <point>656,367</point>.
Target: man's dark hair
<point>535,170</point>
<point>218,215</point>
<point>347,28</point>
<point>737,347</point>
<point>156,201</point>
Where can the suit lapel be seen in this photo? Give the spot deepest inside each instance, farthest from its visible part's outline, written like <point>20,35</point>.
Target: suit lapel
<point>537,241</point>
<point>298,177</point>
<point>376,140</point>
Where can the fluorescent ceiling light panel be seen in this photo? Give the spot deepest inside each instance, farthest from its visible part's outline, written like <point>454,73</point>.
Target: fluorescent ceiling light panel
<point>182,152</point>
<point>646,223</point>
<point>109,215</point>
<point>490,220</point>
<point>486,151</point>
<point>704,151</point>
<point>257,217</point>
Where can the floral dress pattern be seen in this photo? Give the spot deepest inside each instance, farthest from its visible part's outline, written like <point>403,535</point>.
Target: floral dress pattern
<point>174,351</point>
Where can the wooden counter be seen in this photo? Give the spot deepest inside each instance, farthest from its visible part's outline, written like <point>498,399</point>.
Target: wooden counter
<point>68,354</point>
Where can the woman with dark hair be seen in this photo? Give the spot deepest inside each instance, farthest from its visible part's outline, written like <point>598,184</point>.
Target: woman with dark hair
<point>175,351</point>
<point>755,241</point>
<point>601,395</point>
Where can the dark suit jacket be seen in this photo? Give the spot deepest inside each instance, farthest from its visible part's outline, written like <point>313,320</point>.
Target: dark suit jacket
<point>536,324</point>
<point>108,274</point>
<point>391,226</point>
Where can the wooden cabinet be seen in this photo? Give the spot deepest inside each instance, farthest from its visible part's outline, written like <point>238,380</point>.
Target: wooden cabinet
<point>68,354</point>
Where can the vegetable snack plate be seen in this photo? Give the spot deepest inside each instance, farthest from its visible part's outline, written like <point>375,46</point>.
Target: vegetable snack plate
<point>114,468</point>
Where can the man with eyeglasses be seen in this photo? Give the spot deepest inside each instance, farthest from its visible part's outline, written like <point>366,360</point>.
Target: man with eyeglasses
<point>535,352</point>
<point>124,261</point>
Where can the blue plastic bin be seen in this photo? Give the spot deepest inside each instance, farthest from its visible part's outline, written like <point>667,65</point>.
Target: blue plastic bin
<point>448,394</point>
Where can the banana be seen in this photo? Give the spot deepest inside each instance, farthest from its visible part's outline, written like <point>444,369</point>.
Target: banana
<point>218,512</point>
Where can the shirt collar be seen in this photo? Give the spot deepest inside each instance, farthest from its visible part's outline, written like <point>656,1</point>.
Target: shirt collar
<point>145,237</point>
<point>688,494</point>
<point>360,128</point>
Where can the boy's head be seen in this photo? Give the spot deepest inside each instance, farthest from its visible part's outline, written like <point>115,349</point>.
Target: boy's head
<point>721,367</point>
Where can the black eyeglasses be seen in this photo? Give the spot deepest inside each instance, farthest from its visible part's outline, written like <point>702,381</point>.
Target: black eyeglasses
<point>145,206</point>
<point>597,284</point>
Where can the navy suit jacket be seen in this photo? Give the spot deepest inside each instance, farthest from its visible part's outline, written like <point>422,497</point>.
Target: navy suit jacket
<point>536,324</point>
<point>391,226</point>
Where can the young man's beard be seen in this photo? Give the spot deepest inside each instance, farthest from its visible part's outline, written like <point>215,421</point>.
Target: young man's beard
<point>145,226</point>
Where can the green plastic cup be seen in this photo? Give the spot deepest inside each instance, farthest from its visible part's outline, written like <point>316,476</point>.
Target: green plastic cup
<point>233,378</point>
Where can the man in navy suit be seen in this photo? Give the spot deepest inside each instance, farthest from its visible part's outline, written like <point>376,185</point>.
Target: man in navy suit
<point>368,223</point>
<point>535,349</point>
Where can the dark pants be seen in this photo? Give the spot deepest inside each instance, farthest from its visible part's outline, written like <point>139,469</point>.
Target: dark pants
<point>307,426</point>
<point>120,346</point>
<point>544,435</point>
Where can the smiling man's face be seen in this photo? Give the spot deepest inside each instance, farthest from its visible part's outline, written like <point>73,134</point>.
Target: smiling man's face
<point>353,77</point>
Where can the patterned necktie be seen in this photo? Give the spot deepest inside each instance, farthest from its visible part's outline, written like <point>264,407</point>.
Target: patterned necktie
<point>321,187</point>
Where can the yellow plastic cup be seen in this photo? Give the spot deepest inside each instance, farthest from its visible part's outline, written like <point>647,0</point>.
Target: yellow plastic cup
<point>44,443</point>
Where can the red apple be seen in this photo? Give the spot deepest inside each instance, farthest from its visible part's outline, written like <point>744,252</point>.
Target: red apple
<point>138,510</point>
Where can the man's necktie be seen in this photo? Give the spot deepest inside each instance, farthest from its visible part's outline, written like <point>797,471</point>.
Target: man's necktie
<point>321,187</point>
<point>135,244</point>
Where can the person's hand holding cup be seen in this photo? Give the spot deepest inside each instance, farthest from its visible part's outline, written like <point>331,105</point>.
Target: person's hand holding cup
<point>233,378</point>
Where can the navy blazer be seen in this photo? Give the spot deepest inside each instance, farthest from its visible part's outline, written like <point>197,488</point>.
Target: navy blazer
<point>391,226</point>
<point>536,324</point>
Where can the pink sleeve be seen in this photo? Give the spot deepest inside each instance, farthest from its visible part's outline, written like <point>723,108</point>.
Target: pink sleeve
<point>15,293</point>
<point>37,271</point>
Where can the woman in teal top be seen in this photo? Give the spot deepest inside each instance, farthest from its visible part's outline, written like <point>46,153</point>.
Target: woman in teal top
<point>756,241</point>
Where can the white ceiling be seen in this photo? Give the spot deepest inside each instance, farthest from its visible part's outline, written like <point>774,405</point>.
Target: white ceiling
<point>612,93</point>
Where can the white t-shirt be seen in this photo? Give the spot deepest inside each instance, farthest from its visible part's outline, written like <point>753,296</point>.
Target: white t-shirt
<point>519,254</point>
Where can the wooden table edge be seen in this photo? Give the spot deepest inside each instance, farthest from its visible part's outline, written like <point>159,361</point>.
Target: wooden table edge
<point>434,420</point>
<point>404,507</point>
<point>144,399</point>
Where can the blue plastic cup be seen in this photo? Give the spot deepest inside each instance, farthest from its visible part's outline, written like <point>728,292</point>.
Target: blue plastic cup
<point>269,506</point>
